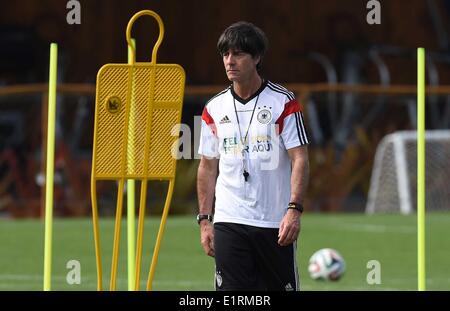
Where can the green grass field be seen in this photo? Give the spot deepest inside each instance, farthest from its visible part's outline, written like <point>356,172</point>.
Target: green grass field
<point>182,265</point>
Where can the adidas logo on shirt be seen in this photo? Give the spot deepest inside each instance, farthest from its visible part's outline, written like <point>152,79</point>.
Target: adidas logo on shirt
<point>225,120</point>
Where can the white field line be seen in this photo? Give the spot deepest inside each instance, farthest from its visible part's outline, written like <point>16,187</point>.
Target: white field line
<point>6,279</point>
<point>349,288</point>
<point>23,281</point>
<point>376,228</point>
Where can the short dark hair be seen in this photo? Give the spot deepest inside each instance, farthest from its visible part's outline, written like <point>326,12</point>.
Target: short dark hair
<point>246,37</point>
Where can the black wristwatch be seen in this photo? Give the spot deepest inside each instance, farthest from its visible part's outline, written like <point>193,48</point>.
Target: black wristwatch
<point>200,217</point>
<point>296,206</point>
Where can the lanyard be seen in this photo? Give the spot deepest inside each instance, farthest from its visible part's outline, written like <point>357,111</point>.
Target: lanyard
<point>244,142</point>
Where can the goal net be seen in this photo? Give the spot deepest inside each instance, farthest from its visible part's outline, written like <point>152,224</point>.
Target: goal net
<point>393,185</point>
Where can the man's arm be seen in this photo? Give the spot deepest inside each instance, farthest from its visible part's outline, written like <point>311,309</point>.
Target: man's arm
<point>290,225</point>
<point>300,173</point>
<point>206,183</point>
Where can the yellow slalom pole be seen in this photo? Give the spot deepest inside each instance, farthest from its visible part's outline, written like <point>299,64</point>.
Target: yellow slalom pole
<point>50,166</point>
<point>160,235</point>
<point>131,222</point>
<point>421,168</point>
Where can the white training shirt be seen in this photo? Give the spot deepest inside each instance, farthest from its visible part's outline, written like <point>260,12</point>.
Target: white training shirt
<point>277,125</point>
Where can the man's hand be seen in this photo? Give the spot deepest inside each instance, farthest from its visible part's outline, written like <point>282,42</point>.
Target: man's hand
<point>289,227</point>
<point>207,237</point>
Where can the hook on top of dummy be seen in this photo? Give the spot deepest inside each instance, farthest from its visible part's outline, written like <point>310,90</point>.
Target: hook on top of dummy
<point>138,107</point>
<point>160,36</point>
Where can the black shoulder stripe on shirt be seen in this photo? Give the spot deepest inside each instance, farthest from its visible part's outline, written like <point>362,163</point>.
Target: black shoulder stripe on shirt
<point>283,90</point>
<point>298,130</point>
<point>218,94</point>
<point>289,96</point>
<point>280,87</point>
<point>301,125</point>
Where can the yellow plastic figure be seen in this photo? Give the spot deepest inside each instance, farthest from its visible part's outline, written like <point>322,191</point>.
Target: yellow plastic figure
<point>138,107</point>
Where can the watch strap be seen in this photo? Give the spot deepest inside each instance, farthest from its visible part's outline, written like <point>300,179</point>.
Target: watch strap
<point>296,206</point>
<point>201,217</point>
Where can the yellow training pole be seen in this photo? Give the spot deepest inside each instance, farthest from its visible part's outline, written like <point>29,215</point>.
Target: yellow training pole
<point>140,235</point>
<point>116,243</point>
<point>131,222</point>
<point>50,166</point>
<point>160,235</point>
<point>98,255</point>
<point>421,168</point>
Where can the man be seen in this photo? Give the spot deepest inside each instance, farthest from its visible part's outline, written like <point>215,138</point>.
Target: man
<point>255,165</point>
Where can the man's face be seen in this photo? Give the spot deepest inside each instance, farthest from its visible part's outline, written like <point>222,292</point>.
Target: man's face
<point>239,66</point>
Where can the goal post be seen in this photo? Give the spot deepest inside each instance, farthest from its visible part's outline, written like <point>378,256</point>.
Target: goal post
<point>393,185</point>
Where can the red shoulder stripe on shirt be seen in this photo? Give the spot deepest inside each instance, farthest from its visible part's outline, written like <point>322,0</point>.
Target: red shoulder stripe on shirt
<point>290,107</point>
<point>209,120</point>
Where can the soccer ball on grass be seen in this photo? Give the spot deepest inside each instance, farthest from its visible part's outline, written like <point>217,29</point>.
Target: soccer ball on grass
<point>326,264</point>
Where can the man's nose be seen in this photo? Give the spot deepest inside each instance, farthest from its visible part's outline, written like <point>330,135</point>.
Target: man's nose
<point>229,59</point>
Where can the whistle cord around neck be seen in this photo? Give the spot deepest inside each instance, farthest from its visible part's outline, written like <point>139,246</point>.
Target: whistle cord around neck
<point>244,142</point>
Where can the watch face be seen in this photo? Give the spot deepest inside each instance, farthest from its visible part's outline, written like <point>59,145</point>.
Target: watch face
<point>297,207</point>
<point>201,217</point>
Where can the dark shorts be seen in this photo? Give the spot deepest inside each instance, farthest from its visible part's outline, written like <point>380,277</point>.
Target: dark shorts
<point>249,258</point>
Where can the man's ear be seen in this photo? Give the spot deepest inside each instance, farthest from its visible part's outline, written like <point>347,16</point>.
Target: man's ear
<point>257,59</point>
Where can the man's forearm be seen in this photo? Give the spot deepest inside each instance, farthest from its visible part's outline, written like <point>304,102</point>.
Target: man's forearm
<point>299,179</point>
<point>206,184</point>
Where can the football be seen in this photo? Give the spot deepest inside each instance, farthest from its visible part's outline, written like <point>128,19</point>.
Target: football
<point>326,264</point>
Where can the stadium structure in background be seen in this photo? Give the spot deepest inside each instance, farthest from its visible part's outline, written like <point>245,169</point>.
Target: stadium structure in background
<point>355,79</point>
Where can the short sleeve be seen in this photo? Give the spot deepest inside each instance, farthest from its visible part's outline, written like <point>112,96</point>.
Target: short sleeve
<point>291,125</point>
<point>209,142</point>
